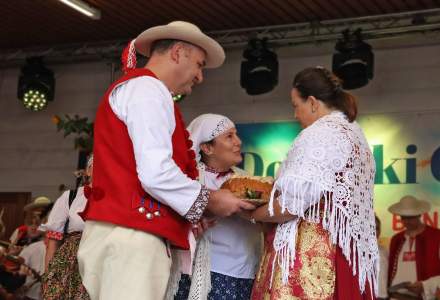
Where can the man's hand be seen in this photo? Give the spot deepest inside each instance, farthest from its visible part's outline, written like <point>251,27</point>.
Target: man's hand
<point>25,270</point>
<point>223,203</point>
<point>14,250</point>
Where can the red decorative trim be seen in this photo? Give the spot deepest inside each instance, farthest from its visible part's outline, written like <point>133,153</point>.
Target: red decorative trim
<point>191,169</point>
<point>219,173</point>
<point>128,58</point>
<point>395,263</point>
<point>54,235</point>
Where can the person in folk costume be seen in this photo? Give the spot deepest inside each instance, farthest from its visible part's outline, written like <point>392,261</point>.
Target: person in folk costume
<point>26,240</point>
<point>415,251</point>
<point>28,233</point>
<point>324,246</point>
<point>228,253</point>
<point>145,195</point>
<point>63,232</point>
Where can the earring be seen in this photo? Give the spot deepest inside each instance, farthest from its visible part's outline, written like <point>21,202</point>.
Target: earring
<point>313,110</point>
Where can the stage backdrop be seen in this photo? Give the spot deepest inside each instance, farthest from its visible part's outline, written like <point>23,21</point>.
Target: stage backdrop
<point>406,149</point>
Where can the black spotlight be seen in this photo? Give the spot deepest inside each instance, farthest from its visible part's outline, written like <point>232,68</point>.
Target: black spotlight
<point>36,84</point>
<point>354,60</point>
<point>259,72</point>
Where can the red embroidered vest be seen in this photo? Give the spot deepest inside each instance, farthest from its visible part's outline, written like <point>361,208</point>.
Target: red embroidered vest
<point>117,195</point>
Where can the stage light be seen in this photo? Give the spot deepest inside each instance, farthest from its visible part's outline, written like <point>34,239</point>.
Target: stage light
<point>83,8</point>
<point>36,84</point>
<point>354,60</point>
<point>259,70</point>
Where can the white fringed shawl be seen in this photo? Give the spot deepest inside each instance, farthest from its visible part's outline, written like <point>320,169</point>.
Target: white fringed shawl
<point>330,166</point>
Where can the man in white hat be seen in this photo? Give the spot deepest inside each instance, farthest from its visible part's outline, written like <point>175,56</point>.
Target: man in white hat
<point>414,252</point>
<point>28,233</point>
<point>38,205</point>
<point>145,196</point>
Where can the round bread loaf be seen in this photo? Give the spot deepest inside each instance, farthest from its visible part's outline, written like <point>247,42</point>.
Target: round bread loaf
<point>250,187</point>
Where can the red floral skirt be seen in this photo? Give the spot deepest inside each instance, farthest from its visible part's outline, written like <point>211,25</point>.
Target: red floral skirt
<point>320,270</point>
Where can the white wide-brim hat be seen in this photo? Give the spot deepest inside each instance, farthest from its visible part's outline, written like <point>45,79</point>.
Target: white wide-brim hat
<point>38,202</point>
<point>184,31</point>
<point>410,206</point>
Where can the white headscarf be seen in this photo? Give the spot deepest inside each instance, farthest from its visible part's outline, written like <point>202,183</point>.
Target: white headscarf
<point>207,127</point>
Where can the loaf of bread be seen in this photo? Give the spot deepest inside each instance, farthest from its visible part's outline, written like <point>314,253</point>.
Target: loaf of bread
<point>250,187</point>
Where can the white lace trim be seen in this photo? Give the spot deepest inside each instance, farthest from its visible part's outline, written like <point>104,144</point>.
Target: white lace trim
<point>201,277</point>
<point>222,126</point>
<point>201,273</point>
<point>330,167</point>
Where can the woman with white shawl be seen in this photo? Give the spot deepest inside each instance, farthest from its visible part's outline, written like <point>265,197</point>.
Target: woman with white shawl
<point>324,245</point>
<point>228,253</point>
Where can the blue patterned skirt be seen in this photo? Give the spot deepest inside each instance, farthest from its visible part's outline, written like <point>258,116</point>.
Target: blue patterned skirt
<point>223,288</point>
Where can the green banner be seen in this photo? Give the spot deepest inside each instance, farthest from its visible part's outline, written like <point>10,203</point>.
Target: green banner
<point>406,149</point>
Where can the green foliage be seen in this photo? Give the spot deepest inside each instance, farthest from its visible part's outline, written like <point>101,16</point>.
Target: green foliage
<point>80,127</point>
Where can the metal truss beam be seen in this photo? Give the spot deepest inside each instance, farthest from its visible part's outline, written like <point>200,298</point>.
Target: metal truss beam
<point>373,27</point>
<point>380,26</point>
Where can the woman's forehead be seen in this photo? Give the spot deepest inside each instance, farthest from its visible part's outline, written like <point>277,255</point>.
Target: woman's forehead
<point>295,93</point>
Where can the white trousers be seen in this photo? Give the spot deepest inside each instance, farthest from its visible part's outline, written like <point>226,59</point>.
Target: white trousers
<point>118,263</point>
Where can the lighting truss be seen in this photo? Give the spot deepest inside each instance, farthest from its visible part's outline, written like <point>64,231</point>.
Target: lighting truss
<point>373,27</point>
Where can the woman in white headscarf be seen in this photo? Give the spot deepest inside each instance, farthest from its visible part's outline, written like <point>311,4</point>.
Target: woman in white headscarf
<point>231,248</point>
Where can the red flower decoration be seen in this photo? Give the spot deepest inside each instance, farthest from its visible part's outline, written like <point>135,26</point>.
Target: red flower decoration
<point>93,193</point>
<point>191,154</point>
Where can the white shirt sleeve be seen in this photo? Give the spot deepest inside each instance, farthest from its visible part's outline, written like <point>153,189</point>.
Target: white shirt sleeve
<point>430,287</point>
<point>146,107</point>
<point>76,223</point>
<point>59,214</point>
<point>26,254</point>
